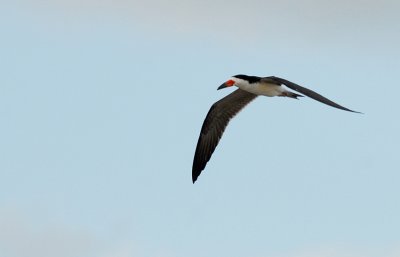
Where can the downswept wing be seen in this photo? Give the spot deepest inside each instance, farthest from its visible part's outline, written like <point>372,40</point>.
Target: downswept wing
<point>214,125</point>
<point>305,91</point>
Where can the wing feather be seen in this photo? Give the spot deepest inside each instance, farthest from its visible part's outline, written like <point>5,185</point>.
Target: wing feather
<point>214,125</point>
<point>306,91</point>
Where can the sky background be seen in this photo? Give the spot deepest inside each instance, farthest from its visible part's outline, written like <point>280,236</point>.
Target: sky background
<point>101,105</point>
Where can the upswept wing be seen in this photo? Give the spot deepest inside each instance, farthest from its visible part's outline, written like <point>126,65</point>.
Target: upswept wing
<point>305,91</point>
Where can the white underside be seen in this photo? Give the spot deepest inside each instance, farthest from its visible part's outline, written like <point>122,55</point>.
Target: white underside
<point>262,88</point>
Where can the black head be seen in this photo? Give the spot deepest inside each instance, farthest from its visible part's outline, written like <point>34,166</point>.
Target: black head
<point>250,79</point>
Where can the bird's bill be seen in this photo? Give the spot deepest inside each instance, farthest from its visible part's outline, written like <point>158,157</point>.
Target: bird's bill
<point>228,83</point>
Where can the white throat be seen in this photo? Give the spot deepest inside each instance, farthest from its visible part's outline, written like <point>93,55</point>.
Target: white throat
<point>243,84</point>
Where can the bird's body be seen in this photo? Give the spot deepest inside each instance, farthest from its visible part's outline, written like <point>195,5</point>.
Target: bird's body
<point>223,110</point>
<point>259,87</point>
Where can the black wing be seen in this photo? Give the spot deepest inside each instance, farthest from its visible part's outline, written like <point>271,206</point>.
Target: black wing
<point>214,126</point>
<point>306,92</point>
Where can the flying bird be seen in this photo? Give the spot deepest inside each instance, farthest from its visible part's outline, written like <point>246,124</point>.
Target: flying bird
<point>222,111</point>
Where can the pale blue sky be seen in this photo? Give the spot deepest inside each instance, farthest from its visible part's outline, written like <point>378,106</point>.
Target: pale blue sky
<point>101,106</point>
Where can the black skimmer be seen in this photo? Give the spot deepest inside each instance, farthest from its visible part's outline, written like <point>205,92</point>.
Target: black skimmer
<point>225,109</point>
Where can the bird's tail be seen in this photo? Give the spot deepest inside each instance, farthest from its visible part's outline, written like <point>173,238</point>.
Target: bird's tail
<point>290,94</point>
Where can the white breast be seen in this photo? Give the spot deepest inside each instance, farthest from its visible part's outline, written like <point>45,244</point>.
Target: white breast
<point>266,89</point>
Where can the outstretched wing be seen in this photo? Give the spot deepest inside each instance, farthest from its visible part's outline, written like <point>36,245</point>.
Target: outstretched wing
<point>214,126</point>
<point>306,91</point>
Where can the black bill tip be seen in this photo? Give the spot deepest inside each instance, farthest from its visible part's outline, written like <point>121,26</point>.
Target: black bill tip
<point>222,86</point>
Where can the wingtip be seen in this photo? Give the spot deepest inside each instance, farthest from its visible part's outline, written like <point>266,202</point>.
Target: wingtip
<point>356,112</point>
<point>195,173</point>
<point>194,178</point>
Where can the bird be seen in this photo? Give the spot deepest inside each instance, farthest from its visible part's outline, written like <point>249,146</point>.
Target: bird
<point>222,111</point>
